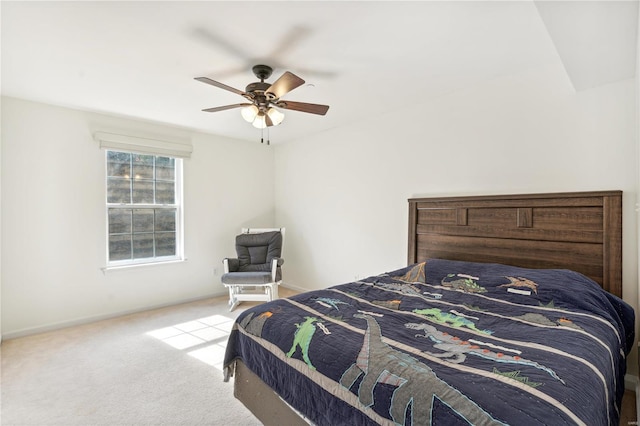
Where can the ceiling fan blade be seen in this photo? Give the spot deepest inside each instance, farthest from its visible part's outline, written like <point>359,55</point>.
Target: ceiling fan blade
<point>223,108</point>
<point>286,83</point>
<point>288,42</point>
<point>215,40</point>
<point>220,85</point>
<point>304,107</point>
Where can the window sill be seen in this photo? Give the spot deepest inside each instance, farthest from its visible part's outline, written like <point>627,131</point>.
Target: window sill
<point>131,266</point>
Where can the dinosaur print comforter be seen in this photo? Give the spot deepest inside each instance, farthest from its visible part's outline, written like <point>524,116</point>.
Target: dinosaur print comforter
<point>444,342</point>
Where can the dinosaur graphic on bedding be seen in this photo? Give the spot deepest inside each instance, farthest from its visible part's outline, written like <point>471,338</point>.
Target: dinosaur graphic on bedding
<point>302,339</point>
<point>254,324</point>
<point>456,350</point>
<point>520,282</point>
<point>466,283</point>
<point>329,302</point>
<point>378,362</point>
<point>436,315</point>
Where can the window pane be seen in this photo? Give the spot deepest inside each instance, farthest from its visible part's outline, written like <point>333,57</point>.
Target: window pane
<point>119,247</point>
<point>118,190</point>
<point>143,191</point>
<point>142,245</point>
<point>119,221</point>
<point>165,168</point>
<point>165,243</point>
<point>165,193</point>
<point>119,164</point>
<point>165,220</point>
<point>142,166</point>
<point>142,220</point>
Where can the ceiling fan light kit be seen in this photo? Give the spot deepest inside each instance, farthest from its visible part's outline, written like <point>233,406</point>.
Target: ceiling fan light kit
<point>249,113</point>
<point>260,121</point>
<point>265,97</point>
<point>253,115</point>
<point>275,116</point>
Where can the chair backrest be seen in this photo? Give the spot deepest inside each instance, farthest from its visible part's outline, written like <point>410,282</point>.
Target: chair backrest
<point>256,247</point>
<point>261,230</point>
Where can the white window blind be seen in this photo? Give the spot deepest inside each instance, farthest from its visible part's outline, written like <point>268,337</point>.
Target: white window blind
<point>113,141</point>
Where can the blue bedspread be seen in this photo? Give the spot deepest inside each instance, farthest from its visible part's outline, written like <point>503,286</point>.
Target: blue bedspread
<point>444,342</point>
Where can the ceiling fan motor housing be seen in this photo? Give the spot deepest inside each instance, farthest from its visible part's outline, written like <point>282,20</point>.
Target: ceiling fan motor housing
<point>263,72</point>
<point>257,87</point>
<point>258,94</point>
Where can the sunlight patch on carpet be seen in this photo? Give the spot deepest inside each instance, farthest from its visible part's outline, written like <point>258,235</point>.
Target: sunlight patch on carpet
<point>214,330</point>
<point>212,354</point>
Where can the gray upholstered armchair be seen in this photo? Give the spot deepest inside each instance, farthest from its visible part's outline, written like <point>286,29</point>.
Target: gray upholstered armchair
<point>256,273</point>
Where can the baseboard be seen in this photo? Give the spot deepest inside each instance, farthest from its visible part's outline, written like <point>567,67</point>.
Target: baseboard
<point>631,382</point>
<point>87,320</point>
<point>294,287</point>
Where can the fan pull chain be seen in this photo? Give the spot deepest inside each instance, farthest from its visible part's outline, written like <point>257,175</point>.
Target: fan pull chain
<point>268,137</point>
<point>262,135</point>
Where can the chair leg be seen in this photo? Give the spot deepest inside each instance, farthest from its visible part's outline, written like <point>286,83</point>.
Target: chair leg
<point>237,294</point>
<point>233,301</point>
<point>233,305</point>
<point>269,294</point>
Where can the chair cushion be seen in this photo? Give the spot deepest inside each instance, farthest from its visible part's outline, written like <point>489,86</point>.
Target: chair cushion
<point>255,251</point>
<point>248,278</point>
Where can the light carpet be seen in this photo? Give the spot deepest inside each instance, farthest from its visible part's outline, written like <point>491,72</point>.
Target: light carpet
<point>159,367</point>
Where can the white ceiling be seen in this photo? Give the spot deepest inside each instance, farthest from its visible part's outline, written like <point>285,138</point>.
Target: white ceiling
<point>139,59</point>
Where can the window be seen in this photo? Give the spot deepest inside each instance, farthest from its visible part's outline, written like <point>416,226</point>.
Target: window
<point>144,211</point>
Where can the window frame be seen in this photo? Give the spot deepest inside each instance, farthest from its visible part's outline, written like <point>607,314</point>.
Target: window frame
<point>178,206</point>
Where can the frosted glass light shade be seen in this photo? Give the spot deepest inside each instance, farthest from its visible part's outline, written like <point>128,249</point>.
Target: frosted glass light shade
<point>260,121</point>
<point>249,113</point>
<point>275,116</point>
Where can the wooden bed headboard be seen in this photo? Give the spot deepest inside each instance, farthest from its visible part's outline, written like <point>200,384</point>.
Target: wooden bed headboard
<point>581,231</point>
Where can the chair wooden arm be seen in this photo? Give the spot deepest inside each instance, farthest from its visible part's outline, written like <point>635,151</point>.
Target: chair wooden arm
<point>276,262</point>
<point>230,264</point>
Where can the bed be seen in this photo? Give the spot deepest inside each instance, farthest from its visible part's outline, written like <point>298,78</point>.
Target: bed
<point>509,311</point>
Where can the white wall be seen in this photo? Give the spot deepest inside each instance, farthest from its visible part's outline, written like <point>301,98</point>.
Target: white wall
<point>342,194</point>
<point>53,218</point>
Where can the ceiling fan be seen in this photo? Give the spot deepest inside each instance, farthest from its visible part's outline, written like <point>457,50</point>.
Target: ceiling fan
<point>264,98</point>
